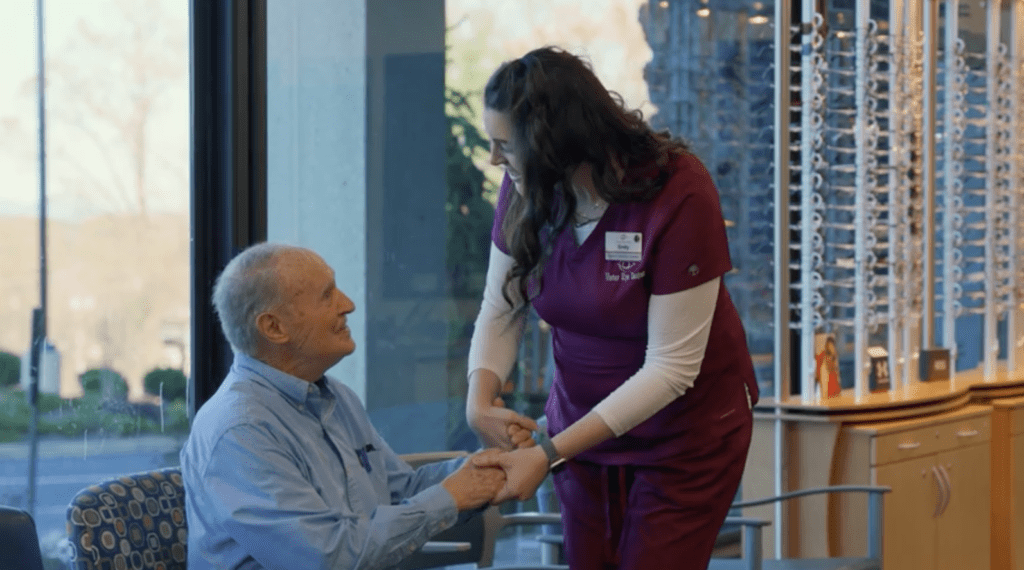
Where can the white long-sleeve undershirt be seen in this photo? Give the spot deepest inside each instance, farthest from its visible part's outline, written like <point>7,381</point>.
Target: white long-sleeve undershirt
<point>678,327</point>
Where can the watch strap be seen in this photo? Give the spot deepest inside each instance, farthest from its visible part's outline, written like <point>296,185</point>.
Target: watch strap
<point>554,460</point>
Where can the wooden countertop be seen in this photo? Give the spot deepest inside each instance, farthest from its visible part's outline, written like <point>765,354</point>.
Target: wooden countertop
<point>917,398</point>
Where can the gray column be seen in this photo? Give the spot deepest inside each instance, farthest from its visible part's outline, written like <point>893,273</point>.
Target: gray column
<point>316,145</point>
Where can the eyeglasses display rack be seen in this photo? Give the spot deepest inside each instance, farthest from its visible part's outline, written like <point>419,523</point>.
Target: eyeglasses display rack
<point>870,160</point>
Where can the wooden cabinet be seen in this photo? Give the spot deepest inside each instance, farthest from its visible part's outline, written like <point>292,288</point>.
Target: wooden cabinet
<point>1017,521</point>
<point>938,515</point>
<point>932,520</point>
<point>914,496</point>
<point>963,532</point>
<point>1008,484</point>
<point>956,470</point>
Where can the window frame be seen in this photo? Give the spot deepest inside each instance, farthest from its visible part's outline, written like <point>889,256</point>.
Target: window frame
<point>228,207</point>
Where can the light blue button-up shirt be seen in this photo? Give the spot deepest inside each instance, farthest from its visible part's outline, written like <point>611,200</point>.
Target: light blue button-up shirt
<point>281,473</point>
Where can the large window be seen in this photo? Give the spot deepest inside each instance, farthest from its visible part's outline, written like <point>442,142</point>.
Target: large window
<point>376,159</point>
<point>116,259</point>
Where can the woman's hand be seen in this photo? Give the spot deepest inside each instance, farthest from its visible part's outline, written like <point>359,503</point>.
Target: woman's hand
<point>499,426</point>
<point>525,470</point>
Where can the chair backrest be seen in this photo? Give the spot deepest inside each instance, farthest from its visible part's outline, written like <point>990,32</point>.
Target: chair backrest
<point>133,521</point>
<point>19,544</point>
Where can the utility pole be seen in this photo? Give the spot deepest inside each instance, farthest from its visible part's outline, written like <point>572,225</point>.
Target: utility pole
<point>38,314</point>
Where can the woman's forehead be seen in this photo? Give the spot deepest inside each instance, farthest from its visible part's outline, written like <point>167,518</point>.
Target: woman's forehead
<point>497,124</point>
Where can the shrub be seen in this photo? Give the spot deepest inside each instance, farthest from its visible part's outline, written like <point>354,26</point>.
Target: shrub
<point>176,417</point>
<point>174,381</point>
<point>98,417</point>
<point>49,402</point>
<point>108,383</point>
<point>14,414</point>
<point>10,369</point>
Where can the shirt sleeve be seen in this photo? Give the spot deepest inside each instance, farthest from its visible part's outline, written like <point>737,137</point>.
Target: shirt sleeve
<point>679,325</point>
<point>692,247</point>
<point>497,331</point>
<point>260,497</point>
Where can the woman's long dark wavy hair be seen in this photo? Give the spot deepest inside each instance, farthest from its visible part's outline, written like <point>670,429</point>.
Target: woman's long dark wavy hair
<point>562,117</point>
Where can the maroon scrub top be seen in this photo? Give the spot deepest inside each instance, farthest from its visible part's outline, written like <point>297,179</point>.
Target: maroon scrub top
<point>595,297</point>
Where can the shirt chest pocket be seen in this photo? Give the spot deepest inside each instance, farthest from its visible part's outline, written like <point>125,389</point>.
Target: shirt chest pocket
<point>366,479</point>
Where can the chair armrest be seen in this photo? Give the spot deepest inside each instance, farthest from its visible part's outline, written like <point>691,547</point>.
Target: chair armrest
<point>747,521</point>
<point>531,518</point>
<point>417,459</point>
<point>875,494</point>
<point>437,547</point>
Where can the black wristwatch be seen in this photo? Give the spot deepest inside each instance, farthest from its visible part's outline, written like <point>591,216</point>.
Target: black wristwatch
<point>555,462</point>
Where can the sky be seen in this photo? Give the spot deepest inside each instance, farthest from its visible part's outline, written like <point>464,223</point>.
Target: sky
<point>19,186</point>
<point>19,177</point>
<point>485,31</point>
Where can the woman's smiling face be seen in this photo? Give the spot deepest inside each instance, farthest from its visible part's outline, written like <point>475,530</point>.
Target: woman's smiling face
<point>498,126</point>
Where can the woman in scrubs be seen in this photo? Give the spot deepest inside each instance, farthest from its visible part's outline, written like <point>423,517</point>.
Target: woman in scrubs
<point>614,234</point>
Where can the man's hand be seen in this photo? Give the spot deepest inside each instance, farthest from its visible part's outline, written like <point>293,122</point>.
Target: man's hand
<point>472,486</point>
<point>524,469</point>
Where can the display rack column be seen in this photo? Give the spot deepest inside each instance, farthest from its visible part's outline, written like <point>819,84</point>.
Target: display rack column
<point>811,245</point>
<point>1015,317</point>
<point>863,200</point>
<point>997,189</point>
<point>929,20</point>
<point>954,100</point>
<point>912,79</point>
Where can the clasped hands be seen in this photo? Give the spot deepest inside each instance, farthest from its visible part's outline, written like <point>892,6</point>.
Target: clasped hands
<point>508,437</point>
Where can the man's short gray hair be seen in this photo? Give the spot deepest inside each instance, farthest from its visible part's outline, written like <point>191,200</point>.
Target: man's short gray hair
<point>249,285</point>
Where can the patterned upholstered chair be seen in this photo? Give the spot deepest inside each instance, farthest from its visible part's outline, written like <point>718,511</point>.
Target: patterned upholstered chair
<point>133,522</point>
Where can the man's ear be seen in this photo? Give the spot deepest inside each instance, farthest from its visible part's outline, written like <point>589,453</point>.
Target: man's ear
<point>271,327</point>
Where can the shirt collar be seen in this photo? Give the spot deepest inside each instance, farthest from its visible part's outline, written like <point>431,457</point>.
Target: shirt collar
<point>291,387</point>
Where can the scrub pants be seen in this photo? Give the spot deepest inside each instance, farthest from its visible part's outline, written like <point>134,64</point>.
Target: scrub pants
<point>651,517</point>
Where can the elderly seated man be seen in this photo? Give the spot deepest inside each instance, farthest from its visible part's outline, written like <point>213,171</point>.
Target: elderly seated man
<point>282,468</point>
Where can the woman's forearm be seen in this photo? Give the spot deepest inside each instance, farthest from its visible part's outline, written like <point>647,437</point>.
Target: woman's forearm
<point>587,432</point>
<point>484,387</point>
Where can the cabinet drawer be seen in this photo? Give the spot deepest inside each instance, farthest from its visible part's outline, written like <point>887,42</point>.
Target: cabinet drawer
<point>925,440</point>
<point>897,446</point>
<point>965,432</point>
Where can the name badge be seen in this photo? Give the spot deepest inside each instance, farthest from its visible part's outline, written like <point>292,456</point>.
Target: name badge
<point>623,246</point>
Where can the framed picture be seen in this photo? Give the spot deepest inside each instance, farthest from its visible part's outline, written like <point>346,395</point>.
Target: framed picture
<point>934,364</point>
<point>826,365</point>
<point>879,377</point>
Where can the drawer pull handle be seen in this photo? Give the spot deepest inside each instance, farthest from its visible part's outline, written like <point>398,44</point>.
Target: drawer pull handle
<point>967,433</point>
<point>913,445</point>
<point>941,486</point>
<point>949,488</point>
